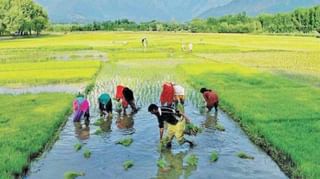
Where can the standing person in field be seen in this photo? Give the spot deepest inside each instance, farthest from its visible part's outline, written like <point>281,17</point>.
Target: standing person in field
<point>190,47</point>
<point>81,107</point>
<point>105,105</point>
<point>167,94</point>
<point>211,98</point>
<point>144,42</point>
<point>176,123</point>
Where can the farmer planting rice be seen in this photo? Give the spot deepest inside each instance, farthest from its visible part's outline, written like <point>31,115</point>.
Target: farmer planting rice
<point>167,94</point>
<point>178,94</point>
<point>105,105</point>
<point>125,95</point>
<point>81,107</point>
<point>211,99</point>
<point>176,124</point>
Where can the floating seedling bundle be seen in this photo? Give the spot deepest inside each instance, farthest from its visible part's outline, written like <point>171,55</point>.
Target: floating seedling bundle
<point>127,164</point>
<point>243,155</point>
<point>125,141</point>
<point>77,147</point>
<point>73,175</point>
<point>192,160</point>
<point>192,129</point>
<point>214,156</point>
<point>87,153</point>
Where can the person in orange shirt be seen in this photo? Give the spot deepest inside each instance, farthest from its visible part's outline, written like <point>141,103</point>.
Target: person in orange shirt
<point>211,98</point>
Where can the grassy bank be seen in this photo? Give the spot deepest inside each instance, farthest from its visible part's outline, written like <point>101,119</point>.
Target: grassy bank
<point>27,123</point>
<point>277,113</point>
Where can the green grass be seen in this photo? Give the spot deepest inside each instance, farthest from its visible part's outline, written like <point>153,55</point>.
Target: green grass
<point>282,112</point>
<point>28,122</point>
<point>47,72</point>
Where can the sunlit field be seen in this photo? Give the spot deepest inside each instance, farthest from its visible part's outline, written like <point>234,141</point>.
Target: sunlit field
<point>260,80</point>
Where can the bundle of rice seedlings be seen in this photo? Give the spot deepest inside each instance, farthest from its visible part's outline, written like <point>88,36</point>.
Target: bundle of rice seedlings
<point>127,164</point>
<point>192,129</point>
<point>125,141</point>
<point>243,155</point>
<point>73,175</point>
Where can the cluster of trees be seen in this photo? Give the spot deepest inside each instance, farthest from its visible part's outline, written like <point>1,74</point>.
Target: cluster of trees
<point>300,20</point>
<point>21,17</point>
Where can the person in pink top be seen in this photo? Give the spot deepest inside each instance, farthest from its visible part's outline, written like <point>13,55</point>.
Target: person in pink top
<point>211,98</point>
<point>81,107</point>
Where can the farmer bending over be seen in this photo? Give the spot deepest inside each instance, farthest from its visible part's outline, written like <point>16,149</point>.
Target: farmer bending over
<point>105,105</point>
<point>178,94</point>
<point>176,123</point>
<point>167,94</point>
<point>128,96</point>
<point>81,107</point>
<point>211,99</point>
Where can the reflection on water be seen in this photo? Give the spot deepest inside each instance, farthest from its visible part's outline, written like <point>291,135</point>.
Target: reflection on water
<point>82,132</point>
<point>211,121</point>
<point>176,167</point>
<point>105,124</point>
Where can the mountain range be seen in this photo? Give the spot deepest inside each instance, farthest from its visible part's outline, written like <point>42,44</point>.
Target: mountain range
<point>82,11</point>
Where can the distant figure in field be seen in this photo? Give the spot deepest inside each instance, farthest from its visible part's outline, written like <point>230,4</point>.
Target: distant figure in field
<point>211,99</point>
<point>183,47</point>
<point>167,94</point>
<point>176,124</point>
<point>190,47</point>
<point>81,107</point>
<point>144,42</point>
<point>105,105</point>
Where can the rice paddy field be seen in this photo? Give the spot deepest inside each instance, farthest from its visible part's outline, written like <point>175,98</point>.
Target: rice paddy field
<point>268,84</point>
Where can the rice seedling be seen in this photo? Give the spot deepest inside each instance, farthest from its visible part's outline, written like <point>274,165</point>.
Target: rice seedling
<point>77,147</point>
<point>220,127</point>
<point>87,153</point>
<point>192,160</point>
<point>162,163</point>
<point>98,122</point>
<point>192,129</point>
<point>73,175</point>
<point>98,132</point>
<point>214,156</point>
<point>127,164</point>
<point>126,141</point>
<point>163,143</point>
<point>243,155</point>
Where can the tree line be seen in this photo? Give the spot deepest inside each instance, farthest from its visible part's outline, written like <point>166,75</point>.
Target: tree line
<point>303,20</point>
<point>21,17</point>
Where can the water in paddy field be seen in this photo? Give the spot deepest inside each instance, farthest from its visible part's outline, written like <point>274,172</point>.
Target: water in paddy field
<point>107,157</point>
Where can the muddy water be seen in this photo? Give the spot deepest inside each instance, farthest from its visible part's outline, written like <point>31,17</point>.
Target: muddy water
<point>107,157</point>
